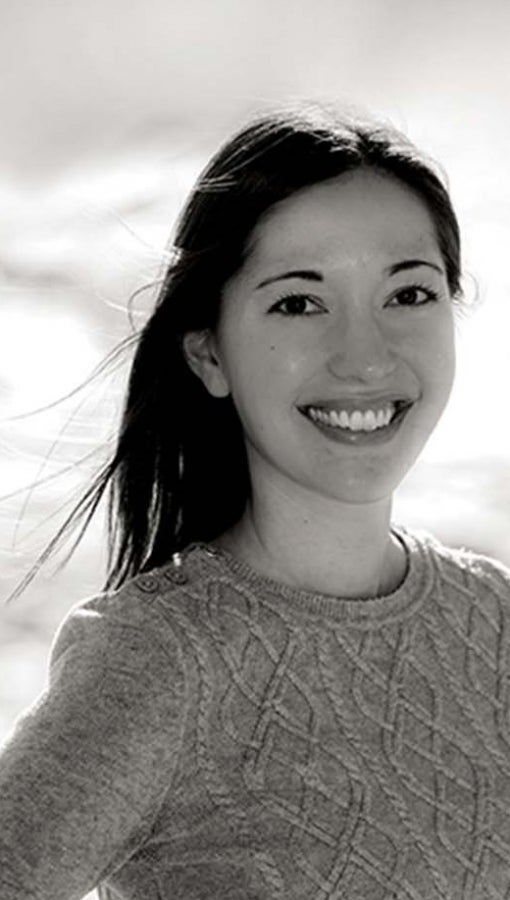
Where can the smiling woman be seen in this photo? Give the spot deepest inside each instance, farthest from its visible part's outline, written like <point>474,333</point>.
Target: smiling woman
<point>282,692</point>
<point>373,338</point>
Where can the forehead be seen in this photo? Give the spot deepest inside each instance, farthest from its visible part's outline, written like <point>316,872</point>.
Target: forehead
<point>359,216</point>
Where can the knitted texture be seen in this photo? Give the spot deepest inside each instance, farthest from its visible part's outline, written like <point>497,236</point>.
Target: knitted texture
<point>210,734</point>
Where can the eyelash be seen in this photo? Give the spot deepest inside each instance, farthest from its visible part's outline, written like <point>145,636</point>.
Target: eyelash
<point>295,296</point>
<point>431,296</point>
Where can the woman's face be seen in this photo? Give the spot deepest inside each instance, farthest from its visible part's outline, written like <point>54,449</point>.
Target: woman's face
<point>336,338</point>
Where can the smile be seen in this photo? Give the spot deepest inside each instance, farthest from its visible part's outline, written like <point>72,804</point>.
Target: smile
<point>358,425</point>
<point>356,420</point>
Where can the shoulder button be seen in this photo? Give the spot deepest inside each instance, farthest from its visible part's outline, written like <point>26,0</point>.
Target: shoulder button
<point>176,575</point>
<point>174,572</point>
<point>179,577</point>
<point>148,584</point>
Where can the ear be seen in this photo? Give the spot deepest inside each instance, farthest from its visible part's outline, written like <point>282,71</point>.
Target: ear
<point>201,354</point>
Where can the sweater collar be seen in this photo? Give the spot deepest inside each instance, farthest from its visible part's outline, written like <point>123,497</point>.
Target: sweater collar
<point>403,601</point>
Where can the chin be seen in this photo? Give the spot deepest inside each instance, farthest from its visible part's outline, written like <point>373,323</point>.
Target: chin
<point>361,484</point>
<point>364,497</point>
<point>357,491</point>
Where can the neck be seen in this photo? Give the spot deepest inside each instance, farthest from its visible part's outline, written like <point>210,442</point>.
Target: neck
<point>319,544</point>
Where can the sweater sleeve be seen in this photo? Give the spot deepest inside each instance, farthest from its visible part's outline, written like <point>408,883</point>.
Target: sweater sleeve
<point>83,771</point>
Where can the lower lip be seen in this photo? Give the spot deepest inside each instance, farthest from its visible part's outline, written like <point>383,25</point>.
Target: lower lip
<point>361,438</point>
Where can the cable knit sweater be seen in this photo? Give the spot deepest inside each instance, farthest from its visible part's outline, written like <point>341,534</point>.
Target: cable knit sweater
<point>210,734</point>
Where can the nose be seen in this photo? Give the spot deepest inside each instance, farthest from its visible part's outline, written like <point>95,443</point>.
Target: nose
<point>360,350</point>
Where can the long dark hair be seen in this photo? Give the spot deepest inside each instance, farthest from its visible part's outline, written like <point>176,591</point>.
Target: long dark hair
<point>179,470</point>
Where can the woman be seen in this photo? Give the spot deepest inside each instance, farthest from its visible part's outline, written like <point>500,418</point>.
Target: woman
<point>282,694</point>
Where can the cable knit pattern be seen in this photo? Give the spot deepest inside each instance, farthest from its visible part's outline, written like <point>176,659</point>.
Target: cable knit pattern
<point>210,734</point>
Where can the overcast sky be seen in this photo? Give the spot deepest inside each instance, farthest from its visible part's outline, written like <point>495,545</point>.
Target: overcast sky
<point>88,80</point>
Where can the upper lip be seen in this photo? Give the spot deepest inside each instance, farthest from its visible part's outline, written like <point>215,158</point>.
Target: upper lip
<point>360,401</point>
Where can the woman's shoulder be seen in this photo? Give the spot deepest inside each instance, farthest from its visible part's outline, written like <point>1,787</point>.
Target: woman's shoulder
<point>124,624</point>
<point>91,761</point>
<point>463,567</point>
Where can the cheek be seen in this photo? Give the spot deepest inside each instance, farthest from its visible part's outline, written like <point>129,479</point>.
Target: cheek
<point>435,367</point>
<point>258,359</point>
<point>431,350</point>
<point>443,355</point>
<point>265,376</point>
<point>285,366</point>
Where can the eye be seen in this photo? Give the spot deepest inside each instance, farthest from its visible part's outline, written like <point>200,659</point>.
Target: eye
<point>296,305</point>
<point>413,295</point>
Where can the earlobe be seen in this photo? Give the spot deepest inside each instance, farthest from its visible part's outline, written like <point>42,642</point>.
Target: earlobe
<point>200,352</point>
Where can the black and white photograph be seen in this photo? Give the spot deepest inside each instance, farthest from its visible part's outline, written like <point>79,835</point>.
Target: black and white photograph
<point>254,450</point>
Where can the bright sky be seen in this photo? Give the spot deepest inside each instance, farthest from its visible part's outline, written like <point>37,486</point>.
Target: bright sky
<point>110,108</point>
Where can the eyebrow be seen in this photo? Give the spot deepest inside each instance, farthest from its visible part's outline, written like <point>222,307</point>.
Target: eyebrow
<point>412,264</point>
<point>306,274</point>
<point>313,275</point>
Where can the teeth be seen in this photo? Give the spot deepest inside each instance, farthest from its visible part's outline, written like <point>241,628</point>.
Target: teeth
<point>368,420</point>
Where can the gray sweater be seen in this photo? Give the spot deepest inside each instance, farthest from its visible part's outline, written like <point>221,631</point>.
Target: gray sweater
<point>210,734</point>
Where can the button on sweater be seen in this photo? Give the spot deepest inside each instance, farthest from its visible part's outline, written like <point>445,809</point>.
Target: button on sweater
<point>210,734</point>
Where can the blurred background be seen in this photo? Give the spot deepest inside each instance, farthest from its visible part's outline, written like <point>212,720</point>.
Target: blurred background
<point>108,110</point>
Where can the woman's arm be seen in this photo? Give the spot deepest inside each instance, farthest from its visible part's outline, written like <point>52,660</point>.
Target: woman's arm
<point>84,770</point>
